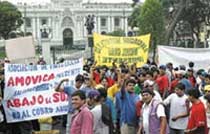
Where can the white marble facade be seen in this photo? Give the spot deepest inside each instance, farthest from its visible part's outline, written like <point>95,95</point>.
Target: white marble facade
<point>66,18</point>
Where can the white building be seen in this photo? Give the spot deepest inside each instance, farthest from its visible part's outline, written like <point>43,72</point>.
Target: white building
<point>65,19</point>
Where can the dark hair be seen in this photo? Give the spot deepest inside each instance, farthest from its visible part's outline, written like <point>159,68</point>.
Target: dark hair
<point>207,97</point>
<point>102,78</point>
<point>149,73</point>
<point>146,90</point>
<point>191,64</point>
<point>180,86</point>
<point>102,92</point>
<point>124,70</point>
<point>207,76</point>
<point>130,81</point>
<point>80,78</point>
<point>194,92</point>
<point>79,93</point>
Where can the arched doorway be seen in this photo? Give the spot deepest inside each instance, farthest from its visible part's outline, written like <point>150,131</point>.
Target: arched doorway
<point>68,38</point>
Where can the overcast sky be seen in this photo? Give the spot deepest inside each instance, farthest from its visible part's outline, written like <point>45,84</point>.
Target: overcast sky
<point>47,1</point>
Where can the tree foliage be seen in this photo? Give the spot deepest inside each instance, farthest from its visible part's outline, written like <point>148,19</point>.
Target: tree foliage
<point>151,20</point>
<point>118,32</point>
<point>133,19</point>
<point>192,12</point>
<point>10,19</point>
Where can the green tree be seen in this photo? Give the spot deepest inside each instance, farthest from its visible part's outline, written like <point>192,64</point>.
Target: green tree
<point>193,12</point>
<point>118,32</point>
<point>133,19</point>
<point>151,20</point>
<point>10,19</point>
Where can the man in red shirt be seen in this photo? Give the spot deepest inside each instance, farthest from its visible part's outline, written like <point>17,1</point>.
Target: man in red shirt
<point>162,81</point>
<point>197,119</point>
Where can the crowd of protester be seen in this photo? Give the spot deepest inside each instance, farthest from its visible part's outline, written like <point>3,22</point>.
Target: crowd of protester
<point>125,99</point>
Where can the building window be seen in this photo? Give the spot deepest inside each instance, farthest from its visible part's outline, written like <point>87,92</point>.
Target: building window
<point>44,21</point>
<point>116,22</point>
<point>103,22</point>
<point>28,22</point>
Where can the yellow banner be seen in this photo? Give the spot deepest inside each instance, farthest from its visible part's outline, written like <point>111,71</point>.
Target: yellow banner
<point>121,49</point>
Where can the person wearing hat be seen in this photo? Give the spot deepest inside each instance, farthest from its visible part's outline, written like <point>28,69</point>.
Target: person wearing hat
<point>151,124</point>
<point>207,98</point>
<point>200,80</point>
<point>206,92</point>
<point>41,60</point>
<point>99,127</point>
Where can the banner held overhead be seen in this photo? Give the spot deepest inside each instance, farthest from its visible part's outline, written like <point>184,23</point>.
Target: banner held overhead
<point>121,49</point>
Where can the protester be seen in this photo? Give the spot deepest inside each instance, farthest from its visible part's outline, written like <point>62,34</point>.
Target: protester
<point>99,126</point>
<point>82,119</point>
<point>153,115</point>
<point>197,119</point>
<point>179,110</point>
<point>207,97</point>
<point>109,103</point>
<point>206,92</point>
<point>69,90</point>
<point>163,81</point>
<point>126,100</point>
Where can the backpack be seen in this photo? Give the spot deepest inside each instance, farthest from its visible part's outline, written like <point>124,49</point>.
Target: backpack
<point>106,114</point>
<point>107,118</point>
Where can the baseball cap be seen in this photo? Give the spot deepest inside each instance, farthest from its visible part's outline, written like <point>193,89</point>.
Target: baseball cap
<point>93,94</point>
<point>163,67</point>
<point>207,88</point>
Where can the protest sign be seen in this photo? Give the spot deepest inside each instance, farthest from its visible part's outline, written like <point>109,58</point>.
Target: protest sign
<point>20,49</point>
<point>29,89</point>
<point>121,49</point>
<point>182,56</point>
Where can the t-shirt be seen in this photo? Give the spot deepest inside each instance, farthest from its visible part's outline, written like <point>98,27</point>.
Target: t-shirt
<point>69,90</point>
<point>163,83</point>
<point>178,105</point>
<point>112,91</point>
<point>197,116</point>
<point>99,127</point>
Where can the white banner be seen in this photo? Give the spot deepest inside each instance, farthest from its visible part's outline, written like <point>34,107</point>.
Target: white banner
<point>182,56</point>
<point>29,89</point>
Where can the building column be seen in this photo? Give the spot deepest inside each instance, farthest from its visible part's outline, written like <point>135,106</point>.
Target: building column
<point>50,26</point>
<point>112,23</point>
<point>122,23</point>
<point>38,28</point>
<point>84,28</point>
<point>126,26</point>
<point>95,24</point>
<point>109,23</point>
<point>34,27</point>
<point>99,24</point>
<point>46,50</point>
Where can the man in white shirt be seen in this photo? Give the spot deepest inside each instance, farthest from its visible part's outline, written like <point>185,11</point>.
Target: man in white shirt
<point>152,124</point>
<point>179,110</point>
<point>99,127</point>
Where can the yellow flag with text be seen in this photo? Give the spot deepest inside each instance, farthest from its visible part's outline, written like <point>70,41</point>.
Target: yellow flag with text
<point>121,49</point>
